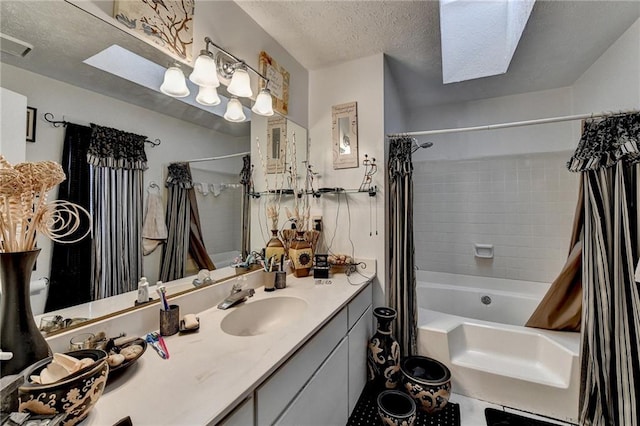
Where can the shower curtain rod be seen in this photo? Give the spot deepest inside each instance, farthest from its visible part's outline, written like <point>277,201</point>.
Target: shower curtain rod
<point>221,157</point>
<point>506,125</point>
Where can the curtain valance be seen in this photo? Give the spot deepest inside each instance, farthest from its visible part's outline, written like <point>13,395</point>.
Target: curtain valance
<point>400,150</point>
<point>179,174</point>
<point>606,141</point>
<point>116,149</point>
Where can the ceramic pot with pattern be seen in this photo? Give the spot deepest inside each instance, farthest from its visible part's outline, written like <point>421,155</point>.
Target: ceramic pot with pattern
<point>74,395</point>
<point>301,255</point>
<point>396,408</point>
<point>428,381</point>
<point>383,353</point>
<point>274,248</point>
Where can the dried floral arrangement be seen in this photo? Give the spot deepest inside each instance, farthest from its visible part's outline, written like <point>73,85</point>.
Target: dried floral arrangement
<point>24,210</point>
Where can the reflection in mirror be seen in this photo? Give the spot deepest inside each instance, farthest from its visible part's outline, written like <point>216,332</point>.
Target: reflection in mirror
<point>343,134</point>
<point>54,79</point>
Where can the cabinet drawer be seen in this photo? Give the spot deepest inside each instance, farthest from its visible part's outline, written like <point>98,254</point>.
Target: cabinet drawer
<point>323,401</point>
<point>358,305</point>
<point>276,393</point>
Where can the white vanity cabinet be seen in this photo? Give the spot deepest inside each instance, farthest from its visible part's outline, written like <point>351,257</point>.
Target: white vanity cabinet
<point>242,415</point>
<point>316,385</point>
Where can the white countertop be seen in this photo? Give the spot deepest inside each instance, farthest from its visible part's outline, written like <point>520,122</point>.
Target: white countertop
<point>210,372</point>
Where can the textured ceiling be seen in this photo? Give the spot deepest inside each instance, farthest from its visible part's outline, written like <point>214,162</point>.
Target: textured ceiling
<point>561,40</point>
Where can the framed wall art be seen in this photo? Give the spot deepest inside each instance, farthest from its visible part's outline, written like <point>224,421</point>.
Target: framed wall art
<point>276,144</point>
<point>167,23</point>
<point>278,82</point>
<point>32,114</point>
<point>345,135</point>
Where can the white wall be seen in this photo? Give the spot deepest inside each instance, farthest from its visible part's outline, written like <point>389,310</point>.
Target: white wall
<point>612,83</point>
<point>13,116</point>
<point>180,140</point>
<point>362,81</point>
<point>518,140</point>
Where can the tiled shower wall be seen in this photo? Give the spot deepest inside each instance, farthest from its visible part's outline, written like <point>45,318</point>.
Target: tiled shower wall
<point>522,204</point>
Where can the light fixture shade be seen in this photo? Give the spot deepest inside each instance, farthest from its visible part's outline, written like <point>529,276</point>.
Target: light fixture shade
<point>204,72</point>
<point>240,84</point>
<point>208,96</point>
<point>174,83</point>
<point>234,111</point>
<point>264,103</point>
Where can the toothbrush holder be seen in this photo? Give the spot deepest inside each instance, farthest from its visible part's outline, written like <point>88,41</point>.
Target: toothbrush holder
<point>170,320</point>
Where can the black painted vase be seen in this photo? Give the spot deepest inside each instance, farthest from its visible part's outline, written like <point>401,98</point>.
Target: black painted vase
<point>19,333</point>
<point>383,354</point>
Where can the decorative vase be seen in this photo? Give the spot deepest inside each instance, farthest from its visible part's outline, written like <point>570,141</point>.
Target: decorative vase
<point>274,247</point>
<point>19,333</point>
<point>427,381</point>
<point>383,355</point>
<point>301,255</point>
<point>396,408</point>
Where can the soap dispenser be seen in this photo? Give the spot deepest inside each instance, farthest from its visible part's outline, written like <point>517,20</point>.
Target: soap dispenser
<point>143,291</point>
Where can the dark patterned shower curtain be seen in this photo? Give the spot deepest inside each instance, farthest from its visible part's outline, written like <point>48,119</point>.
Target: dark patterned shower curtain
<point>118,160</point>
<point>185,232</point>
<point>70,275</point>
<point>608,157</point>
<point>401,290</point>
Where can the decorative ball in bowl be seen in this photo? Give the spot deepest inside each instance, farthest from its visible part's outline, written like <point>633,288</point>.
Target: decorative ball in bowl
<point>396,408</point>
<point>75,394</point>
<point>428,381</point>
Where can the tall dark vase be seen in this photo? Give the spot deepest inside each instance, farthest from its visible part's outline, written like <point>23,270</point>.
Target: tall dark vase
<point>19,333</point>
<point>383,354</point>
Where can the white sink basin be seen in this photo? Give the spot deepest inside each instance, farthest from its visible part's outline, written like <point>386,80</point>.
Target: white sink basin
<point>262,316</point>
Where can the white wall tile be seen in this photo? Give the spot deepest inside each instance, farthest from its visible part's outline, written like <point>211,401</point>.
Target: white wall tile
<point>522,204</point>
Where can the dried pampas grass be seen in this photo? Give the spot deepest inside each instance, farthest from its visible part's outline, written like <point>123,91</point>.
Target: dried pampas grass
<point>24,210</point>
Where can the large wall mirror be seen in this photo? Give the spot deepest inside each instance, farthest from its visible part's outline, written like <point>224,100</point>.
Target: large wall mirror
<point>55,80</point>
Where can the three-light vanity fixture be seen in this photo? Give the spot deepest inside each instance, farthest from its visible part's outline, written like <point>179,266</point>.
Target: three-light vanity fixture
<point>209,71</point>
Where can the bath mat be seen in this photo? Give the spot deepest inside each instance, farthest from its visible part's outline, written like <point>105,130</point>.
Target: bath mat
<point>502,418</point>
<point>366,414</point>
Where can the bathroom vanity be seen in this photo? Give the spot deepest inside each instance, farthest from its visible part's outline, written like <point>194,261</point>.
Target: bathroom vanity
<point>296,355</point>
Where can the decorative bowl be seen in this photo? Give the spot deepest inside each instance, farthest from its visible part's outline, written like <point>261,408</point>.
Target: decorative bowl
<point>396,408</point>
<point>427,381</point>
<point>74,395</point>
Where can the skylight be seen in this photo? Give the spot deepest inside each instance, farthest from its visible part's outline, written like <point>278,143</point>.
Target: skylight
<point>479,37</point>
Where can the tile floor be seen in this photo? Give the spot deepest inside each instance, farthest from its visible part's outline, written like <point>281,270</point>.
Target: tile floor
<point>472,411</point>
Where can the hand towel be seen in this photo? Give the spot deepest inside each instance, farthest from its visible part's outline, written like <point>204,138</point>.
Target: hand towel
<point>154,229</point>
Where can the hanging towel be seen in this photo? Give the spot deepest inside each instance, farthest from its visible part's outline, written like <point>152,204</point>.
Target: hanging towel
<point>154,229</point>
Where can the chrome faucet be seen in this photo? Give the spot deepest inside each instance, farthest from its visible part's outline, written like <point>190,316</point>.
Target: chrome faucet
<point>237,295</point>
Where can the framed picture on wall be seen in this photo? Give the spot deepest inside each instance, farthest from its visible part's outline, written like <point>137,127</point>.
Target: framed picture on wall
<point>276,143</point>
<point>32,113</point>
<point>278,82</point>
<point>166,23</point>
<point>344,121</point>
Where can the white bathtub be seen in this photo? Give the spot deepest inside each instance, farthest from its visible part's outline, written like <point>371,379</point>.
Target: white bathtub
<point>475,325</point>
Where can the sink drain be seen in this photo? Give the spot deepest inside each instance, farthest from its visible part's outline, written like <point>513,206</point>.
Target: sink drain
<point>486,300</point>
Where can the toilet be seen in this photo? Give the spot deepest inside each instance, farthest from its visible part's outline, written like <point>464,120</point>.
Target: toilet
<point>38,292</point>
